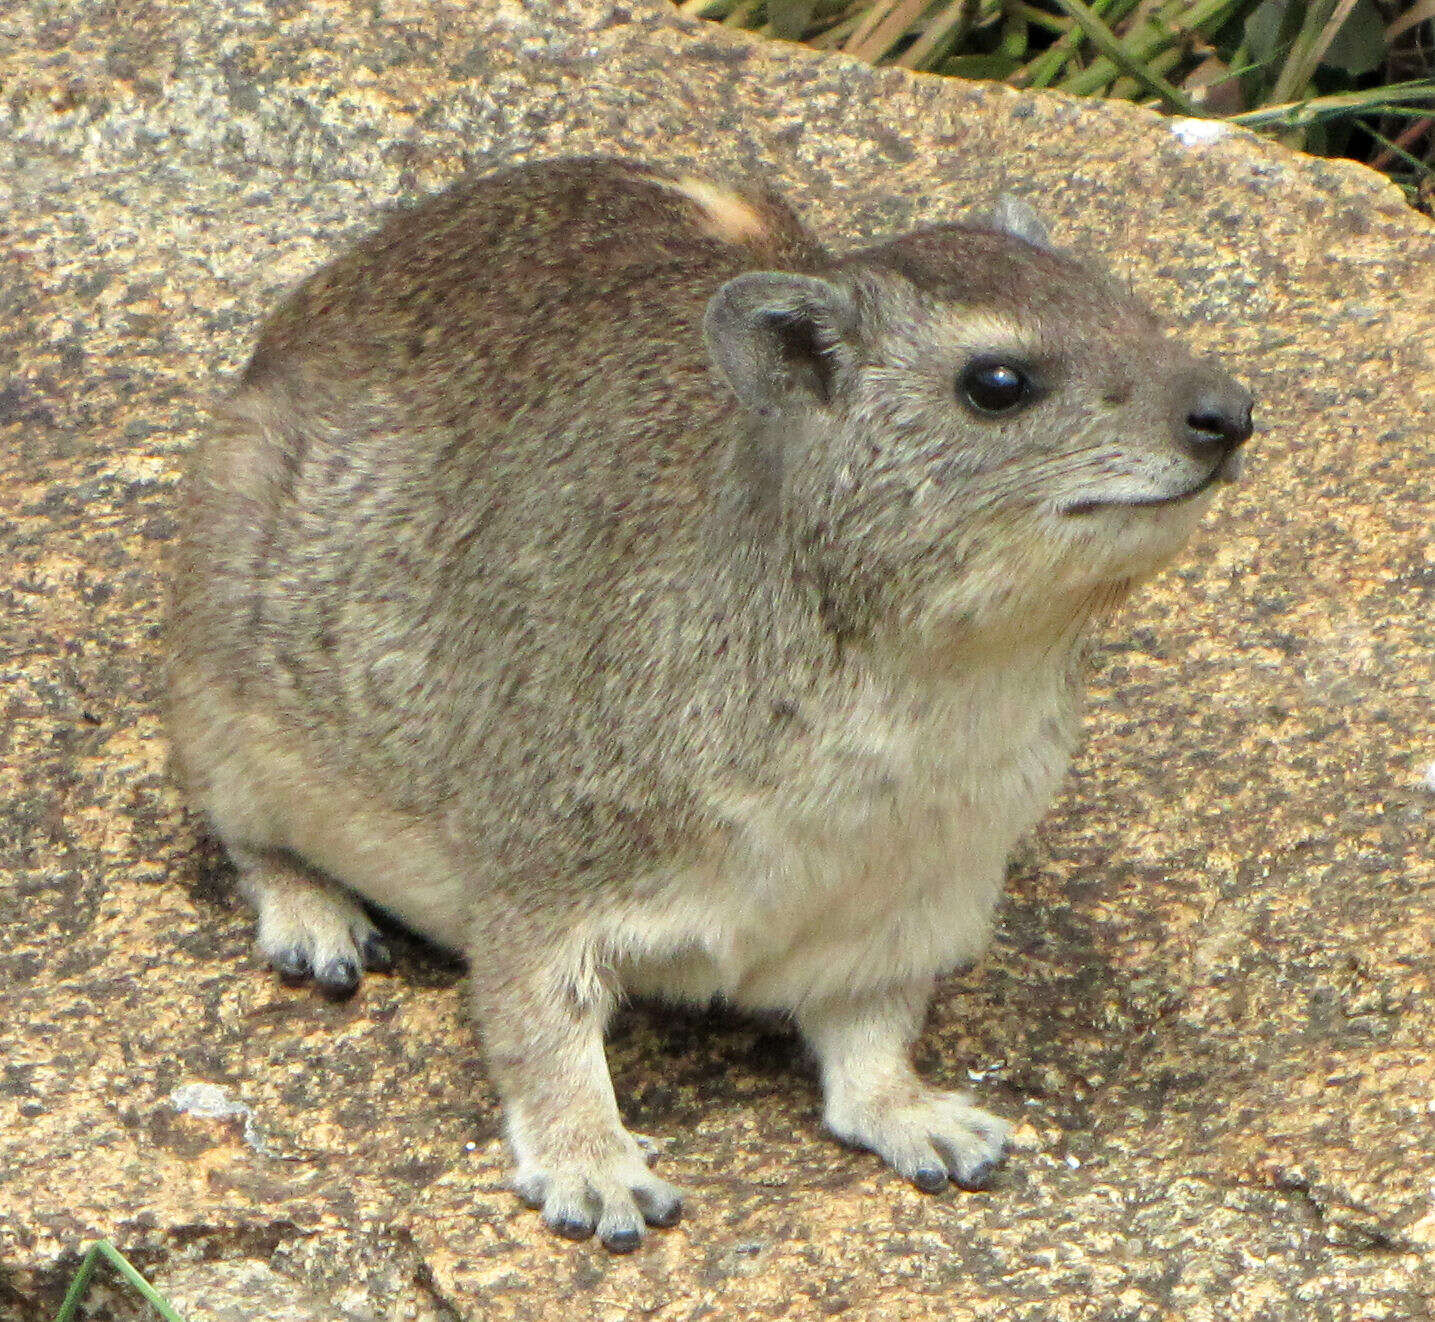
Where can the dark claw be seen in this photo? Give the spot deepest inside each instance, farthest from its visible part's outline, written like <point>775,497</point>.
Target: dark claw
<point>378,958</point>
<point>292,965</point>
<point>622,1241</point>
<point>571,1227</point>
<point>338,978</point>
<point>930,1179</point>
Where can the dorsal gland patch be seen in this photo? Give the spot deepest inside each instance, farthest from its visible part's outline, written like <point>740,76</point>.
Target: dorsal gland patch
<point>727,216</point>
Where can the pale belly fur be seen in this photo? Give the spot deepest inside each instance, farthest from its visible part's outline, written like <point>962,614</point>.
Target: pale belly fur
<point>879,862</point>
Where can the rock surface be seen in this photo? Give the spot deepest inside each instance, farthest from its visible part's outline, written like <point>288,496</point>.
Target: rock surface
<point>1209,1005</point>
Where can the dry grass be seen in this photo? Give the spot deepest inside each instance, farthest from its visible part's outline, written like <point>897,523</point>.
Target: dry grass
<point>1337,77</point>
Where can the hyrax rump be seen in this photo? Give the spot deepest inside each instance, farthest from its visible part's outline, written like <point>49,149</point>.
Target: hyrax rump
<point>600,576</point>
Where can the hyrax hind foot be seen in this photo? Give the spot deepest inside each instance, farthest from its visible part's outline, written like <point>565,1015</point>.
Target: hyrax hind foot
<point>598,1182</point>
<point>308,927</point>
<point>874,1099</point>
<point>926,1135</point>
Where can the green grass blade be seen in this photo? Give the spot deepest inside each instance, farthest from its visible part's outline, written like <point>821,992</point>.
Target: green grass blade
<point>1047,67</point>
<point>1125,89</point>
<point>1040,18</point>
<point>1372,101</point>
<point>78,1286</point>
<point>1107,42</point>
<point>1015,37</point>
<point>104,1249</point>
<point>1162,31</point>
<point>1421,168</point>
<point>1405,112</point>
<point>151,1296</point>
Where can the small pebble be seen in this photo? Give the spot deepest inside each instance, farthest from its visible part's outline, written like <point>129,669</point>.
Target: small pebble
<point>1025,1137</point>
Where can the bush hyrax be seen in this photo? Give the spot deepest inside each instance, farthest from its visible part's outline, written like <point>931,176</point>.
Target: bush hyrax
<point>596,574</point>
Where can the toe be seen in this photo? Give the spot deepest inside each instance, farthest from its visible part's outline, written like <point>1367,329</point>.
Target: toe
<point>930,1179</point>
<point>660,1204</point>
<point>624,1240</point>
<point>903,1144</point>
<point>620,1227</point>
<point>531,1186</point>
<point>570,1225</point>
<point>309,929</point>
<point>993,1130</point>
<point>977,1175</point>
<point>292,964</point>
<point>338,978</point>
<point>378,958</point>
<point>567,1207</point>
<point>972,1155</point>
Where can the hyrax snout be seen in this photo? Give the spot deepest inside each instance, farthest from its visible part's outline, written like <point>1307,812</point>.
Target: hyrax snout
<point>604,579</point>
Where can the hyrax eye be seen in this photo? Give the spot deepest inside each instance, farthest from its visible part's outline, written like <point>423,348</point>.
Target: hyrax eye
<point>994,387</point>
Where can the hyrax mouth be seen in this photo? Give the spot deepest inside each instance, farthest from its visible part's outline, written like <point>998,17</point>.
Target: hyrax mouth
<point>1228,470</point>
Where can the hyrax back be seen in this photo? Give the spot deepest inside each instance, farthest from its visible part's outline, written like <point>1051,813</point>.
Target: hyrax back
<point>600,576</point>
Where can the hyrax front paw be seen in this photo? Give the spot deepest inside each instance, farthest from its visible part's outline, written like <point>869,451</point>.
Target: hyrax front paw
<point>309,928</point>
<point>598,1183</point>
<point>926,1135</point>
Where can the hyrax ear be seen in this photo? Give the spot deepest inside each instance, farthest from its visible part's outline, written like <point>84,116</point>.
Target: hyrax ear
<point>1013,216</point>
<point>781,339</point>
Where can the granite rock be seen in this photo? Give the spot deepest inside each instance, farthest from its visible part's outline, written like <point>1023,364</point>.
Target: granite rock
<point>1208,1006</point>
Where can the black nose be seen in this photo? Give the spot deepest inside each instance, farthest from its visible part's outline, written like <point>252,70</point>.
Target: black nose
<point>1218,419</point>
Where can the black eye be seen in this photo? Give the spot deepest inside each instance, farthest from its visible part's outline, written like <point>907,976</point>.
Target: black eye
<point>994,387</point>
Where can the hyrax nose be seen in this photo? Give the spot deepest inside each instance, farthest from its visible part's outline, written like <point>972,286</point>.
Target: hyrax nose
<point>1217,417</point>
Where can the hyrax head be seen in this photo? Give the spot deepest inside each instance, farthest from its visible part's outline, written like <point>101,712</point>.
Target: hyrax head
<point>967,433</point>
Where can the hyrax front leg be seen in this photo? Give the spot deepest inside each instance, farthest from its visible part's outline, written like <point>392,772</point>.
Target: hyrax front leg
<point>542,1028</point>
<point>308,926</point>
<point>874,1099</point>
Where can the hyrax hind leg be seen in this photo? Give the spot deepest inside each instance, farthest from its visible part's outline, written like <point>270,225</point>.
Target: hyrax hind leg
<point>542,1013</point>
<point>308,926</point>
